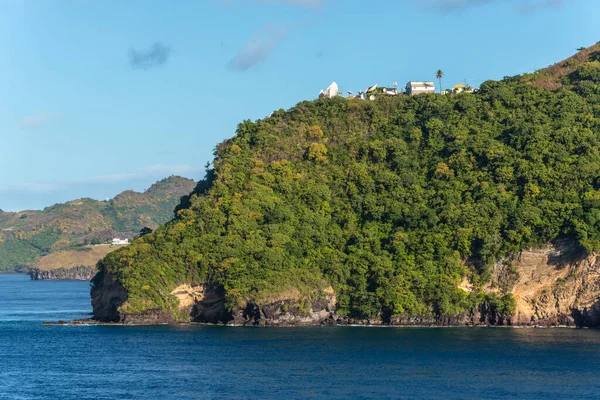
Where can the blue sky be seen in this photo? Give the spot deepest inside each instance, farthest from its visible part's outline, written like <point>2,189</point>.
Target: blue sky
<point>99,96</point>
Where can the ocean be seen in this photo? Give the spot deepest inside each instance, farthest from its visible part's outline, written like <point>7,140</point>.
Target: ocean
<point>212,362</point>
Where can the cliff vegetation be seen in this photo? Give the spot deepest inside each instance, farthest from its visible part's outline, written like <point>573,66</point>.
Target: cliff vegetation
<point>392,202</point>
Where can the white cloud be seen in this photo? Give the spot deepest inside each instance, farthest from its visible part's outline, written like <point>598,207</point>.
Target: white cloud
<point>533,6</point>
<point>38,120</point>
<point>301,3</point>
<point>525,6</point>
<point>258,49</point>
<point>32,187</point>
<point>151,171</point>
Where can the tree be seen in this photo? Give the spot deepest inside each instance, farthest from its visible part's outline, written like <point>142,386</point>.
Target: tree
<point>388,209</point>
<point>580,48</point>
<point>439,75</point>
<point>145,231</point>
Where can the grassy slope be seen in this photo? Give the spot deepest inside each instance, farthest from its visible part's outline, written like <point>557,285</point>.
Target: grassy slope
<point>84,257</point>
<point>557,76</point>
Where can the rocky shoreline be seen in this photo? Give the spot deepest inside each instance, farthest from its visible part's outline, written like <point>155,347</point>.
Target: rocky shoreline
<point>81,273</point>
<point>286,313</point>
<point>553,286</point>
<point>88,322</point>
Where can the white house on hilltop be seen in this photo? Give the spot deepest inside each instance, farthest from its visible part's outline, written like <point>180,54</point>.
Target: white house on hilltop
<point>117,241</point>
<point>415,88</point>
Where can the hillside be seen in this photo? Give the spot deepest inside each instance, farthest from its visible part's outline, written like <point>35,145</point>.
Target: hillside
<point>25,236</point>
<point>400,209</point>
<point>577,72</point>
<point>77,264</point>
<point>82,257</point>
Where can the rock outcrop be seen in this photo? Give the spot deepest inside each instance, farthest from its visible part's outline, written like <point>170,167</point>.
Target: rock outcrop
<point>287,312</point>
<point>82,273</point>
<point>108,295</point>
<point>557,284</point>
<point>207,304</point>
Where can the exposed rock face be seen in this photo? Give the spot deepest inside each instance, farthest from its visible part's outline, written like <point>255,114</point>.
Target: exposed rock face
<point>107,296</point>
<point>288,313</point>
<point>554,285</point>
<point>207,304</point>
<point>82,273</point>
<point>188,296</point>
<point>211,308</point>
<point>148,317</point>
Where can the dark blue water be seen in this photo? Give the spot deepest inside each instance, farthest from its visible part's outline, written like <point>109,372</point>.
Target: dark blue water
<point>95,362</point>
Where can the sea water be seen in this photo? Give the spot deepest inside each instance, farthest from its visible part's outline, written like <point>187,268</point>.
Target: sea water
<point>210,362</point>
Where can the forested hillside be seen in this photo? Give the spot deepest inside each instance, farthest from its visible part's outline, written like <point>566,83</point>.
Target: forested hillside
<point>27,235</point>
<point>392,202</point>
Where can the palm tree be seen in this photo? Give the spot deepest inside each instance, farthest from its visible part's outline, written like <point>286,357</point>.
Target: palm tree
<point>439,75</point>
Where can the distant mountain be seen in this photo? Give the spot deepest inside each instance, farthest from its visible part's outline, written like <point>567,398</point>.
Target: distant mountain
<point>27,235</point>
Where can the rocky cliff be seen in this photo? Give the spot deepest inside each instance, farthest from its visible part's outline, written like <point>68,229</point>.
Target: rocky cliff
<point>558,284</point>
<point>393,203</point>
<point>555,285</point>
<point>80,273</point>
<point>206,304</point>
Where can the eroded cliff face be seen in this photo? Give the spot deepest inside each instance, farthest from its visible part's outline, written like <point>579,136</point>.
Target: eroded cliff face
<point>289,312</point>
<point>205,303</point>
<point>108,295</point>
<point>557,284</point>
<point>82,273</point>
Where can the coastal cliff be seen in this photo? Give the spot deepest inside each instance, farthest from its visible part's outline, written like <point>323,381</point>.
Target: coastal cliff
<point>413,210</point>
<point>207,304</point>
<point>79,273</point>
<point>558,284</point>
<point>554,285</point>
<point>79,264</point>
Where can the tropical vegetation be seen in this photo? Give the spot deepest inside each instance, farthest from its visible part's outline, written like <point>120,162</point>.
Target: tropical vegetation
<point>391,202</point>
<point>28,235</point>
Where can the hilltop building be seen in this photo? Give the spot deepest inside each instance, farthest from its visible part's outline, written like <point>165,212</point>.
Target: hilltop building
<point>415,88</point>
<point>330,92</point>
<point>459,88</point>
<point>118,242</point>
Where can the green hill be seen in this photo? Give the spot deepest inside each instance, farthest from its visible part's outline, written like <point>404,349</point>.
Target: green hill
<point>27,235</point>
<point>390,202</point>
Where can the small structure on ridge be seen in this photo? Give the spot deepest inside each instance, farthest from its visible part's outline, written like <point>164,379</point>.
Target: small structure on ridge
<point>415,88</point>
<point>330,92</point>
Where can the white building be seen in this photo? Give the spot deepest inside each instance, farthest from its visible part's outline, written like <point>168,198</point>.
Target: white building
<point>117,241</point>
<point>414,88</point>
<point>330,92</point>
